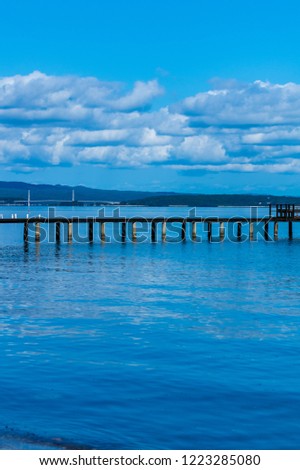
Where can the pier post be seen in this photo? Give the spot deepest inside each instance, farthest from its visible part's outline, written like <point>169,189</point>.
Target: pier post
<point>134,231</point>
<point>209,231</point>
<point>194,231</point>
<point>164,231</point>
<point>57,232</point>
<point>266,230</point>
<point>91,230</point>
<point>183,230</point>
<point>239,231</point>
<point>37,232</point>
<point>153,231</point>
<point>123,232</point>
<point>275,230</point>
<point>251,231</point>
<point>222,231</point>
<point>70,232</point>
<point>102,231</point>
<point>290,230</point>
<point>25,233</point>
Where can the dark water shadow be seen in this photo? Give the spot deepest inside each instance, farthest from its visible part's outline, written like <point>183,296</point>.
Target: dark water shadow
<point>11,439</point>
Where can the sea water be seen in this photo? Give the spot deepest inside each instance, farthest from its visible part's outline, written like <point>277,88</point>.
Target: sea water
<point>149,345</point>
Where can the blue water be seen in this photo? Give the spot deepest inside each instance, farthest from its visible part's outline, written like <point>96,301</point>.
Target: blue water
<point>149,346</point>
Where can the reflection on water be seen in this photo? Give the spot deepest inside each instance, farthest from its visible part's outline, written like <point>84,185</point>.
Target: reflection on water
<point>150,346</point>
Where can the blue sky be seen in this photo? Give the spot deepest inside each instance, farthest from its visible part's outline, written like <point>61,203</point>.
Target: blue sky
<point>191,96</point>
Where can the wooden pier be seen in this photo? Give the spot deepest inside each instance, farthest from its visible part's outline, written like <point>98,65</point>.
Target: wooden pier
<point>279,214</point>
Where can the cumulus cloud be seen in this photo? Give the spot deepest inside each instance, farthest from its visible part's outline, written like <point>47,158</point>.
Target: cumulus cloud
<point>139,98</point>
<point>200,148</point>
<point>253,104</point>
<point>67,120</point>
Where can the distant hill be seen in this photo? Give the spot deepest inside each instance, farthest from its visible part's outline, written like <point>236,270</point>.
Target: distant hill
<point>17,191</point>
<point>214,200</point>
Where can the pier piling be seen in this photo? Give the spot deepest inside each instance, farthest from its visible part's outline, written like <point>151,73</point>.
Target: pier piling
<point>123,232</point>
<point>164,231</point>
<point>37,232</point>
<point>194,231</point>
<point>153,231</point>
<point>91,230</point>
<point>57,232</point>
<point>251,231</point>
<point>266,231</point>
<point>133,231</point>
<point>209,231</point>
<point>183,230</point>
<point>275,230</point>
<point>102,231</point>
<point>290,230</point>
<point>70,232</point>
<point>222,231</point>
<point>25,233</point>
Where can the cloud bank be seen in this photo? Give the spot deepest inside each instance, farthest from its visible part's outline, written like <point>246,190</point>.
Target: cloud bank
<point>64,121</point>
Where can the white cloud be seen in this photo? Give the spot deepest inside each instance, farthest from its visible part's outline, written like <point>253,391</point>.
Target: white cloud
<point>139,98</point>
<point>277,136</point>
<point>123,156</point>
<point>52,120</point>
<point>253,104</point>
<point>200,148</point>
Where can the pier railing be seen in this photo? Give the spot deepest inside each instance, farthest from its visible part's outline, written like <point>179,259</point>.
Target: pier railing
<point>284,211</point>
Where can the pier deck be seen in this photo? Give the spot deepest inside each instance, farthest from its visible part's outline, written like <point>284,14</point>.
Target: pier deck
<point>159,219</point>
<point>281,213</point>
<point>128,227</point>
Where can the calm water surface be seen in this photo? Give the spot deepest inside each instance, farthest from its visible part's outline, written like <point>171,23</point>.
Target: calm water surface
<point>149,346</point>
